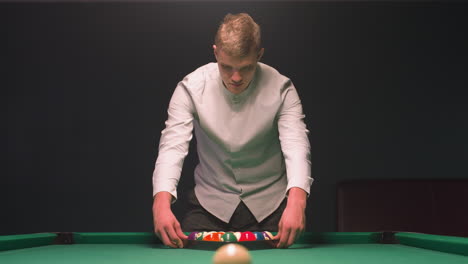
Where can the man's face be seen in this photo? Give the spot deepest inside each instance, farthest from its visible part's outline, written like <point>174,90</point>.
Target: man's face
<point>237,72</point>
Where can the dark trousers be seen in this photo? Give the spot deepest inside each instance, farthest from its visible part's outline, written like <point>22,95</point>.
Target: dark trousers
<point>199,219</point>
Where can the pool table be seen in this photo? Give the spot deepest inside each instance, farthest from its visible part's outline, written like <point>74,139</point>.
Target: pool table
<point>318,248</point>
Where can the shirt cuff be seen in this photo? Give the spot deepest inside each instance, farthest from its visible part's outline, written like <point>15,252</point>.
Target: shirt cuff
<point>299,175</point>
<point>167,183</point>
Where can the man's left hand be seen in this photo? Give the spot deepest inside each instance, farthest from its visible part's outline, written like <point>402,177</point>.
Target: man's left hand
<point>292,223</point>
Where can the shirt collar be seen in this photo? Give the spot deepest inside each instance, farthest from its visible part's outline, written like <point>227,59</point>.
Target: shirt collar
<point>239,98</point>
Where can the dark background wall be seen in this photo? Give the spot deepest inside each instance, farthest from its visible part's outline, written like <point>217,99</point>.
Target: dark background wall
<point>86,87</point>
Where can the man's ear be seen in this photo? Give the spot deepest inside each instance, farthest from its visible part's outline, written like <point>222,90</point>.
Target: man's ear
<point>215,51</point>
<point>260,54</point>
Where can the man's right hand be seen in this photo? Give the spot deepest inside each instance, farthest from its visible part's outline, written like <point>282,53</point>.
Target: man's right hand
<point>166,226</point>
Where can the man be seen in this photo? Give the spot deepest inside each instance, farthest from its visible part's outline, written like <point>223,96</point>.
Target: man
<point>251,141</point>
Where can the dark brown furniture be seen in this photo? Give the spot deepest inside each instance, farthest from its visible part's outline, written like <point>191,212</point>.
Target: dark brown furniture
<point>425,206</point>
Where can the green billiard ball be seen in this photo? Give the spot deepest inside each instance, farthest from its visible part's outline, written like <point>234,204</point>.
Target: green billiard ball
<point>229,237</point>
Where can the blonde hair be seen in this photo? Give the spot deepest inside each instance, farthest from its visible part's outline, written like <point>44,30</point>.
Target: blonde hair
<point>238,35</point>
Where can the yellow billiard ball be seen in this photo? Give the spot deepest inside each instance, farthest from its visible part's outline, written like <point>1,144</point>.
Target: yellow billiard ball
<point>232,254</point>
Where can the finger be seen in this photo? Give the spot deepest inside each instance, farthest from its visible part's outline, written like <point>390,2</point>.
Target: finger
<point>158,235</point>
<point>284,238</point>
<point>278,235</point>
<point>291,238</point>
<point>181,236</point>
<point>179,231</point>
<point>173,237</point>
<point>166,240</point>
<point>275,239</point>
<point>299,234</point>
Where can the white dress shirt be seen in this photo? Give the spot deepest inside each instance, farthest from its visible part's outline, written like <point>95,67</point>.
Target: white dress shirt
<point>252,146</point>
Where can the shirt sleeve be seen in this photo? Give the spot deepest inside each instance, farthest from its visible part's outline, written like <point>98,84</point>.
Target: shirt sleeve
<point>174,142</point>
<point>294,141</point>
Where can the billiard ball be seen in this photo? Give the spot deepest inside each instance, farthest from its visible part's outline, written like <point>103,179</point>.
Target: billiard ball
<point>247,236</point>
<point>237,235</point>
<point>267,235</point>
<point>199,235</point>
<point>229,237</point>
<point>192,236</point>
<point>232,254</point>
<point>259,236</point>
<point>213,236</point>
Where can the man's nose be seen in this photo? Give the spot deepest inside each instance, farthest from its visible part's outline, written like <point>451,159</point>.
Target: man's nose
<point>236,77</point>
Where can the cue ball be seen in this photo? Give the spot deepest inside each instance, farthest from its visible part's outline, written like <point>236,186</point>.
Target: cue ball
<point>232,254</point>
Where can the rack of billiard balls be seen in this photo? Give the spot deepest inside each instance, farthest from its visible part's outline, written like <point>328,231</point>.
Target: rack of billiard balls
<point>220,236</point>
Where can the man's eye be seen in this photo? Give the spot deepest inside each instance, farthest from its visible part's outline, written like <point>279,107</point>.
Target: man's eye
<point>227,68</point>
<point>246,69</point>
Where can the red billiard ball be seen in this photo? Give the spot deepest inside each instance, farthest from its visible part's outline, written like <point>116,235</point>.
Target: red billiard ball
<point>247,236</point>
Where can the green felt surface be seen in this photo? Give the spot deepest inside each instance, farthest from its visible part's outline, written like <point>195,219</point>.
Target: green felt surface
<point>299,253</point>
<point>115,238</point>
<point>323,248</point>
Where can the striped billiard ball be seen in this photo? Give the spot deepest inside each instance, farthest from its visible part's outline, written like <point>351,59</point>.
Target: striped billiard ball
<point>229,237</point>
<point>259,235</point>
<point>213,236</point>
<point>199,235</point>
<point>247,236</point>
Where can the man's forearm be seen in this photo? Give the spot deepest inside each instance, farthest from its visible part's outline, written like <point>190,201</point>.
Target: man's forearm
<point>297,197</point>
<point>162,200</point>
